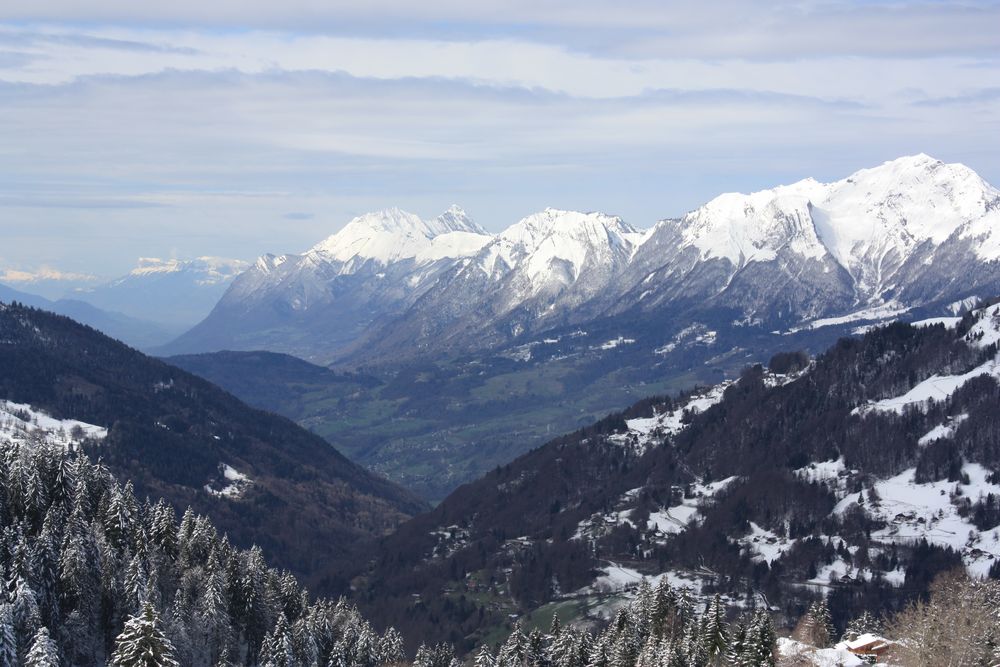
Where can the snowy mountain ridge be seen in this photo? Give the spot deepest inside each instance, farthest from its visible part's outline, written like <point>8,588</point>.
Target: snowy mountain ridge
<point>899,233</point>
<point>208,270</point>
<point>174,293</point>
<point>870,223</point>
<point>391,235</point>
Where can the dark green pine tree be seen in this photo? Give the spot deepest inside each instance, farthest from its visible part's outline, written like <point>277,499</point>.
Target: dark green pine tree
<point>142,642</point>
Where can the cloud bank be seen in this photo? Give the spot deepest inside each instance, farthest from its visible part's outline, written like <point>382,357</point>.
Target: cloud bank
<point>234,128</point>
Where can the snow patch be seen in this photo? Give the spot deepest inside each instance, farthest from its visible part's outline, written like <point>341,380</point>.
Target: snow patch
<point>925,511</point>
<point>986,330</point>
<point>673,520</point>
<point>615,342</point>
<point>237,486</point>
<point>940,431</point>
<point>886,311</point>
<point>764,545</point>
<point>644,431</point>
<point>22,422</point>
<point>797,653</point>
<point>934,388</point>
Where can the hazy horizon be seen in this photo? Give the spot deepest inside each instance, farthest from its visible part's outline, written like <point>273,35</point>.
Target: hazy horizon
<point>239,128</point>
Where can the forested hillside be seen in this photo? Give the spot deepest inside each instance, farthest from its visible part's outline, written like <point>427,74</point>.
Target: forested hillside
<point>859,475</point>
<point>262,479</point>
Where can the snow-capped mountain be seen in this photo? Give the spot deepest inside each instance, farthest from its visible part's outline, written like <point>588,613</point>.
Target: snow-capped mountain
<point>913,232</point>
<point>533,274</point>
<point>176,293</point>
<point>323,300</point>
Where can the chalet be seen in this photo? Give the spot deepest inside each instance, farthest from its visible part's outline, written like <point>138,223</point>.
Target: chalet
<point>868,646</point>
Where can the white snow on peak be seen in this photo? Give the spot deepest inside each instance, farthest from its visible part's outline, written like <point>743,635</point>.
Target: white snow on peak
<point>869,222</point>
<point>747,228</point>
<point>391,235</point>
<point>268,263</point>
<point>557,245</point>
<point>455,219</point>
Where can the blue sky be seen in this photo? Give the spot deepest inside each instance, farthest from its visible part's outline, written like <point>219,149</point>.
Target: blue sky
<point>234,128</point>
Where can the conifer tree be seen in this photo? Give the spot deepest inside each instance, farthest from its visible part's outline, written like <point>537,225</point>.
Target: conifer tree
<point>555,627</point>
<point>8,638</point>
<point>815,627</point>
<point>390,647</point>
<point>515,650</point>
<point>43,652</point>
<point>278,649</point>
<point>484,658</point>
<point>760,640</point>
<point>864,624</point>
<point>142,643</point>
<point>714,638</point>
<point>566,649</point>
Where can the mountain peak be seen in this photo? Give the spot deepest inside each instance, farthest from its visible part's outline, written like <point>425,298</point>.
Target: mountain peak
<point>455,219</point>
<point>392,234</point>
<point>554,221</point>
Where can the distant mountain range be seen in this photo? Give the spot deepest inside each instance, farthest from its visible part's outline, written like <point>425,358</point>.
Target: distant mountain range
<point>151,305</point>
<point>487,345</point>
<point>135,332</point>
<point>173,293</point>
<point>913,232</point>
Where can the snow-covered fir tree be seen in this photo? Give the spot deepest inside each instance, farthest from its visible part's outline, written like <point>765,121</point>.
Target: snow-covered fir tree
<point>94,577</point>
<point>142,642</point>
<point>43,651</point>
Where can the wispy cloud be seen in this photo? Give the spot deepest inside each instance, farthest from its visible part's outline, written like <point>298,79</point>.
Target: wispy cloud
<point>980,96</point>
<point>205,127</point>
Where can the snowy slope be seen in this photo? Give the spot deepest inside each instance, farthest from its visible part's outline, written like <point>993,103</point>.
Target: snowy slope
<point>869,222</point>
<point>20,422</point>
<point>556,245</point>
<point>533,275</point>
<point>316,303</point>
<point>889,238</point>
<point>204,270</point>
<point>753,228</point>
<point>915,511</point>
<point>644,431</point>
<point>392,235</point>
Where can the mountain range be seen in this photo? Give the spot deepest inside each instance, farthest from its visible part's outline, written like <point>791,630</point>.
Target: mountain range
<point>484,351</point>
<point>151,305</point>
<point>390,286</point>
<point>170,292</point>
